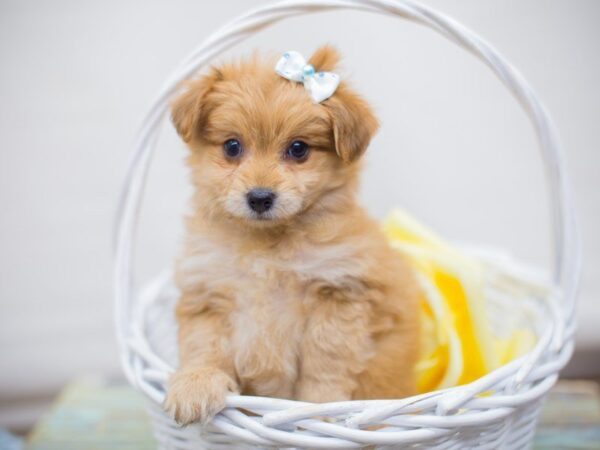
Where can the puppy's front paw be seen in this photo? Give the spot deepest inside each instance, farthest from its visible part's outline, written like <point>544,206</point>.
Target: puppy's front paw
<point>197,395</point>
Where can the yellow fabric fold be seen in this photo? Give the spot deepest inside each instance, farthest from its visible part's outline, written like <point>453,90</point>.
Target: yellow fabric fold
<point>458,344</point>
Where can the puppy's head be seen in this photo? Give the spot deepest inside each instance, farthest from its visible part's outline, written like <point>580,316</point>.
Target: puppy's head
<point>261,151</point>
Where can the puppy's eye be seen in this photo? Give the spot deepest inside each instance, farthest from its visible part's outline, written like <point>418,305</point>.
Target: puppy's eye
<point>298,150</point>
<point>232,148</point>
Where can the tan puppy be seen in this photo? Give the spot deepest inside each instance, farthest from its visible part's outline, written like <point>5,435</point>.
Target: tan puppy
<point>288,288</point>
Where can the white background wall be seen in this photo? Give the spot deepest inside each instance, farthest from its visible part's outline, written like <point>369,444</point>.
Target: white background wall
<point>454,149</point>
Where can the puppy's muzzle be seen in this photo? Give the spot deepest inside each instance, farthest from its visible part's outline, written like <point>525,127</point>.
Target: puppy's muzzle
<point>260,200</point>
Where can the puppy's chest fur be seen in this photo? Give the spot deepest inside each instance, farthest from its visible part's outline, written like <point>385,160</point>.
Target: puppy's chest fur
<point>270,304</point>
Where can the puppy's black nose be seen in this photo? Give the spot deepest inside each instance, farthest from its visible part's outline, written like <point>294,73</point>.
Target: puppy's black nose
<point>260,200</point>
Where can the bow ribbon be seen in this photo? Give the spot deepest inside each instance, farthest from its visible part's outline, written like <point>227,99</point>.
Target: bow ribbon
<point>319,85</point>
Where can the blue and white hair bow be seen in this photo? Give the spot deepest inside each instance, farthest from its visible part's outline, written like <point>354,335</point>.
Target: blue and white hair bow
<point>319,85</point>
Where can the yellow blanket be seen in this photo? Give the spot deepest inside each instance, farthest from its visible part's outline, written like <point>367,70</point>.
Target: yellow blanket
<point>458,344</point>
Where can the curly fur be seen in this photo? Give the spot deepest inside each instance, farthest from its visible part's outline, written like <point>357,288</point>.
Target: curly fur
<point>310,302</point>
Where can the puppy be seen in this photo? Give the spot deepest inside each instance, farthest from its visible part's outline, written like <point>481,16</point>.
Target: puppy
<point>288,288</point>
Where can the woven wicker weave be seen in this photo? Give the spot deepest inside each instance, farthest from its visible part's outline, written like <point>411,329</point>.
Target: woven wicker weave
<point>496,411</point>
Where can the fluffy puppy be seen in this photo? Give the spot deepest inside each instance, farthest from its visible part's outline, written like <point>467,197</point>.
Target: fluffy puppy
<point>288,288</point>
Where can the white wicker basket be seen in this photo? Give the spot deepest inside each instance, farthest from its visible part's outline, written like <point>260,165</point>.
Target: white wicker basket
<point>496,411</point>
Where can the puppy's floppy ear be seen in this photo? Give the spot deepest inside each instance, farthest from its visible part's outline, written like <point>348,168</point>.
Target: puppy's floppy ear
<point>188,110</point>
<point>352,119</point>
<point>353,123</point>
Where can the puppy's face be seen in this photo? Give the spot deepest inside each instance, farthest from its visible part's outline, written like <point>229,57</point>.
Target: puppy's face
<point>261,151</point>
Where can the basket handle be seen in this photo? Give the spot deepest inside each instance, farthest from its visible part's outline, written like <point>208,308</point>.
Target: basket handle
<point>567,260</point>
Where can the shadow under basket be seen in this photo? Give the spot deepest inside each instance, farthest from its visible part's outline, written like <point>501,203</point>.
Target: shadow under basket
<point>496,411</point>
